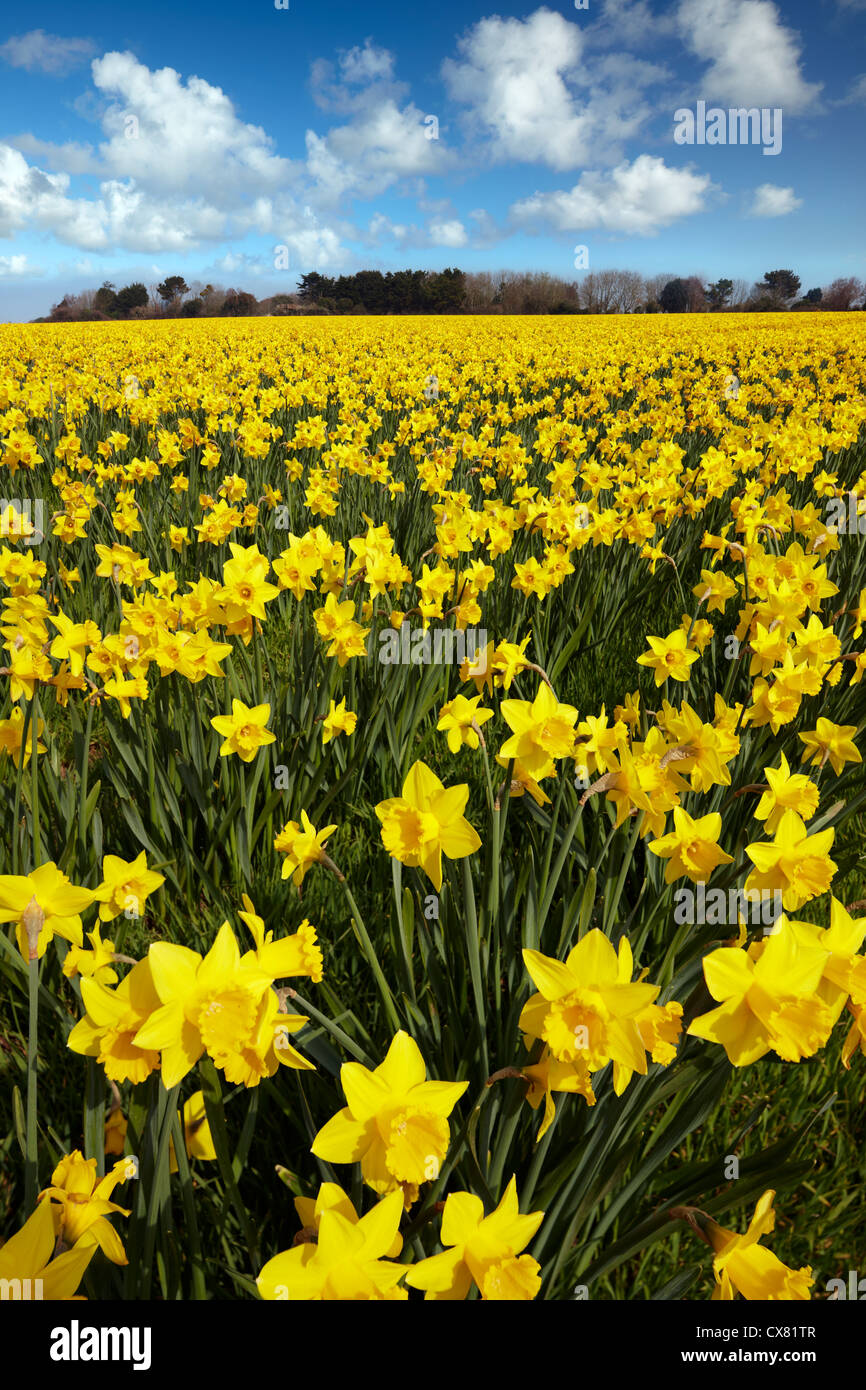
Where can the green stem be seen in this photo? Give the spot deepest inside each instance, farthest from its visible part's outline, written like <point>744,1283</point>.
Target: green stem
<point>367,947</point>
<point>34,743</point>
<point>31,1162</point>
<point>199,1287</point>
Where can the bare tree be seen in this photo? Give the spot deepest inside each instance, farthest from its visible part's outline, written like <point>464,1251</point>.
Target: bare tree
<point>843,294</point>
<point>517,292</point>
<point>696,293</point>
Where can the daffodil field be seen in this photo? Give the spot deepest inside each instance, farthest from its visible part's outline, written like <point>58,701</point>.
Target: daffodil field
<point>432,802</point>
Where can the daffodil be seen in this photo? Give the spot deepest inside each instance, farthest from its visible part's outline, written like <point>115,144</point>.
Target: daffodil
<point>26,1263</point>
<point>338,720</point>
<point>346,1261</point>
<point>542,730</point>
<point>484,1250</point>
<point>43,904</point>
<point>297,954</point>
<point>786,790</point>
<point>584,1010</point>
<point>395,1122</point>
<point>303,846</point>
<point>96,964</point>
<point>831,742</point>
<point>768,998</point>
<point>549,1076</point>
<point>79,1201</point>
<point>13,742</point>
<point>244,730</point>
<point>219,1004</point>
<point>669,657</point>
<point>112,1019</point>
<point>125,887</point>
<point>743,1266</point>
<point>796,863</point>
<point>427,821</point>
<point>461,719</point>
<point>691,848</point>
<point>115,1128</point>
<point>197,1136</point>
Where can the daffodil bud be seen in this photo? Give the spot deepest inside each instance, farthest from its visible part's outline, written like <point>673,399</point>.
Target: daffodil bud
<point>33,920</point>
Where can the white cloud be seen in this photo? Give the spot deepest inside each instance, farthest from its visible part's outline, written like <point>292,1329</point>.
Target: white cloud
<point>381,228</point>
<point>753,59</point>
<point>312,245</point>
<point>856,94</point>
<point>37,51</point>
<point>381,145</point>
<point>367,64</point>
<point>179,167</point>
<point>772,201</point>
<point>16,265</point>
<point>630,24</point>
<point>359,73</point>
<point>536,91</point>
<point>70,158</point>
<point>448,233</point>
<point>121,216</point>
<point>512,77</point>
<point>637,199</point>
<point>175,137</point>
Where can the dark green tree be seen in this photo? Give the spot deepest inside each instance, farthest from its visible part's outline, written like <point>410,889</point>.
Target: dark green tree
<point>105,299</point>
<point>172,288</point>
<point>674,298</point>
<point>133,296</point>
<point>719,293</point>
<point>782,285</point>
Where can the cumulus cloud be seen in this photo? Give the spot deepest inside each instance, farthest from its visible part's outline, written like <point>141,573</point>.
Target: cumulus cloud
<point>37,51</point>
<point>344,85</point>
<point>770,200</point>
<point>69,158</point>
<point>382,228</point>
<point>542,90</point>
<point>512,75</point>
<point>170,135</point>
<point>178,167</point>
<point>448,233</point>
<point>485,229</point>
<point>380,146</point>
<point>367,64</point>
<point>753,59</point>
<point>16,265</point>
<point>122,215</point>
<point>635,198</point>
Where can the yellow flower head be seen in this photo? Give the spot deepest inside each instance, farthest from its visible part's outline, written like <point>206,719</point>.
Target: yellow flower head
<point>743,1266</point>
<point>427,821</point>
<point>395,1122</point>
<point>244,730</point>
<point>484,1250</point>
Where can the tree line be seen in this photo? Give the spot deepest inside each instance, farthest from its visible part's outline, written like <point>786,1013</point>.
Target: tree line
<point>454,291</point>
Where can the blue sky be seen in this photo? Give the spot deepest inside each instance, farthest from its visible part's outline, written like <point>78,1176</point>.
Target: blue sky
<point>222,141</point>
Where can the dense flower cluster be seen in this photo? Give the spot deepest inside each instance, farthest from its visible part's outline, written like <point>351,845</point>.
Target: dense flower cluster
<point>224,536</point>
